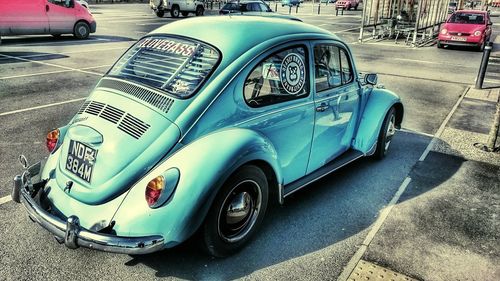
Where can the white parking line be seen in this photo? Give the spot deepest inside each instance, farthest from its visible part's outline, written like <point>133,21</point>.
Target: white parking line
<point>51,64</point>
<point>40,106</point>
<point>51,72</point>
<point>387,210</point>
<point>5,199</point>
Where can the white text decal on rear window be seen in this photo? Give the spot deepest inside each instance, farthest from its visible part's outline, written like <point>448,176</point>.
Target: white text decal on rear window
<point>168,46</point>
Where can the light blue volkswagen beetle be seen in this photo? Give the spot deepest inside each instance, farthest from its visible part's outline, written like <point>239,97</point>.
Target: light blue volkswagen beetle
<point>195,130</point>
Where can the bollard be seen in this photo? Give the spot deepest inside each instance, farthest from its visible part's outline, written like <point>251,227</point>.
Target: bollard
<point>297,9</point>
<point>342,12</point>
<point>219,5</point>
<point>289,9</point>
<point>492,138</point>
<point>276,7</point>
<point>211,5</point>
<point>336,12</point>
<point>484,65</point>
<point>319,8</point>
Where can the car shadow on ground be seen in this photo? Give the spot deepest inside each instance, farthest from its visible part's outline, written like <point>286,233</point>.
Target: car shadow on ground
<point>16,57</point>
<point>319,218</point>
<point>63,40</point>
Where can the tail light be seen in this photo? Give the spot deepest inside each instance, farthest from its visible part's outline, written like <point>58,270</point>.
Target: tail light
<point>444,31</point>
<point>52,138</point>
<point>160,189</point>
<point>154,189</point>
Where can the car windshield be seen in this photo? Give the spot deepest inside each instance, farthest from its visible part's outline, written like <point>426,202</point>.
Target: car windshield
<point>467,18</point>
<point>177,66</point>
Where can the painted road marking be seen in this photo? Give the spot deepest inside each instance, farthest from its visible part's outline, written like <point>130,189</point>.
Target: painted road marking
<point>40,106</point>
<point>5,199</point>
<point>378,223</point>
<point>387,210</point>
<point>51,64</point>
<point>443,125</point>
<point>51,72</point>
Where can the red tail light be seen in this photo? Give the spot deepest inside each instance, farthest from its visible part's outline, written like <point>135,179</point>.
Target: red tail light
<point>52,138</point>
<point>154,190</point>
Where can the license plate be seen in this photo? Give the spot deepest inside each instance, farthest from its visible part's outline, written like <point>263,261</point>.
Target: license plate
<point>81,159</point>
<point>455,38</point>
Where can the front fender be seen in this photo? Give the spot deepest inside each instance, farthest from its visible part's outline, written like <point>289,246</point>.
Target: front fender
<point>378,104</point>
<point>204,165</point>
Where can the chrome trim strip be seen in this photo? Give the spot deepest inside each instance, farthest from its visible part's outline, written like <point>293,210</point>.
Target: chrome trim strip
<point>75,236</point>
<point>321,176</point>
<point>281,190</point>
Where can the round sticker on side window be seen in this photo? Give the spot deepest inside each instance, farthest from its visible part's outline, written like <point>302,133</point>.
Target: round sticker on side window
<point>293,73</point>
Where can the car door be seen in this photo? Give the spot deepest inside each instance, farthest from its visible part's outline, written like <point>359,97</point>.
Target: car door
<point>336,101</point>
<point>61,15</point>
<point>23,17</point>
<point>279,105</point>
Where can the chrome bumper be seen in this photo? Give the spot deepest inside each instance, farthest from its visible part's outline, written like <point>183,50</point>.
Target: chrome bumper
<point>73,235</point>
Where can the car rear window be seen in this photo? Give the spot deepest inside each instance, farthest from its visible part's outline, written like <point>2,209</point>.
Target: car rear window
<point>177,66</point>
<point>467,18</point>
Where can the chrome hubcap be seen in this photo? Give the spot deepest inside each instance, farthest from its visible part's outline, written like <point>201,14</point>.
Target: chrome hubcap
<point>391,130</point>
<point>239,211</point>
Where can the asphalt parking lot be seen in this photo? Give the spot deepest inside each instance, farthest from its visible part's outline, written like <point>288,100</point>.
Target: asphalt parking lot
<point>316,233</point>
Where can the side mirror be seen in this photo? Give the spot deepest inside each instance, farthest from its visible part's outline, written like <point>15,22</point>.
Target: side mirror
<point>371,78</point>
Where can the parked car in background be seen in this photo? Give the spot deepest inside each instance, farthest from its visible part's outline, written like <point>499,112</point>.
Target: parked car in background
<point>347,4</point>
<point>54,17</point>
<point>290,3</point>
<point>190,133</point>
<point>466,28</point>
<point>328,1</point>
<point>245,6</point>
<point>177,7</point>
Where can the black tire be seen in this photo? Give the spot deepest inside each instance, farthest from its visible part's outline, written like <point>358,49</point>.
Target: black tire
<point>386,133</point>
<point>248,188</point>
<point>185,14</point>
<point>200,11</point>
<point>480,48</point>
<point>174,12</point>
<point>439,45</point>
<point>81,30</point>
<point>160,13</point>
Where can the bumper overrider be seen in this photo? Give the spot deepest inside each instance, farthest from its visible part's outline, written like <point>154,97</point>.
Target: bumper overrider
<point>70,232</point>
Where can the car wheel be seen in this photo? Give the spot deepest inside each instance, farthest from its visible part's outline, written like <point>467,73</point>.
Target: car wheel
<point>386,133</point>
<point>185,14</point>
<point>200,11</point>
<point>175,11</point>
<point>81,30</point>
<point>160,13</point>
<point>481,46</point>
<point>236,213</point>
<point>439,45</point>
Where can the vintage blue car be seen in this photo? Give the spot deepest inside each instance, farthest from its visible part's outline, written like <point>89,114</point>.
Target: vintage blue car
<point>194,131</point>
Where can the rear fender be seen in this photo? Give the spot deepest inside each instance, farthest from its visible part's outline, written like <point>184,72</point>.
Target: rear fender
<point>204,166</point>
<point>378,104</point>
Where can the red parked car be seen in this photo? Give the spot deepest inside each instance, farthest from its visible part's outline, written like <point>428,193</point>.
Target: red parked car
<point>346,4</point>
<point>466,28</point>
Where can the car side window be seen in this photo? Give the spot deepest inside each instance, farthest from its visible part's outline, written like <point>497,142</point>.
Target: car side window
<point>345,63</point>
<point>256,7</point>
<point>263,7</point>
<point>280,77</point>
<point>332,67</point>
<point>62,3</point>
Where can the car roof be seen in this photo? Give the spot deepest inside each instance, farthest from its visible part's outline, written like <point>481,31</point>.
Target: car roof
<point>230,34</point>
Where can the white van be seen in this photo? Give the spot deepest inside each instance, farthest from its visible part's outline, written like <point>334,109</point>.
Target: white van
<point>176,7</point>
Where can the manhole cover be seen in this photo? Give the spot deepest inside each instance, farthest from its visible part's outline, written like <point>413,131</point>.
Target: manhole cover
<point>367,271</point>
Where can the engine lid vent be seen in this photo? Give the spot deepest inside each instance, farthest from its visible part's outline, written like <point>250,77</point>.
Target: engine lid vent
<point>155,99</point>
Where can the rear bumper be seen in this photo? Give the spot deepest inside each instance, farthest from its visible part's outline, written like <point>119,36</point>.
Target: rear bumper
<point>73,235</point>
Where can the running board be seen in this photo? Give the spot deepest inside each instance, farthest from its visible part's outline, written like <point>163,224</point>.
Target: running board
<point>344,159</point>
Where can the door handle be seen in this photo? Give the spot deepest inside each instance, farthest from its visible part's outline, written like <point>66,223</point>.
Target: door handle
<point>47,8</point>
<point>322,107</point>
